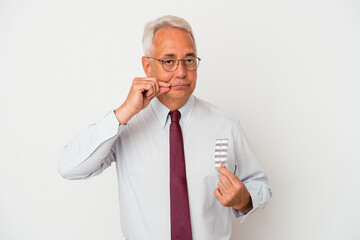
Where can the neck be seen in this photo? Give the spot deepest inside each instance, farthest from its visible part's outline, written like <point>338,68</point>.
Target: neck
<point>172,104</point>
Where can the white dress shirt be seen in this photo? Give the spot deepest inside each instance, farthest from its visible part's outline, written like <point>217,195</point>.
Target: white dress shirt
<point>141,152</point>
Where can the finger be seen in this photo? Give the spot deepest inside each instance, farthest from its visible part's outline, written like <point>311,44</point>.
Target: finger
<point>142,86</point>
<point>232,177</point>
<point>149,94</point>
<point>149,87</point>
<point>147,90</point>
<point>141,80</point>
<point>156,85</point>
<point>164,84</point>
<point>226,182</point>
<point>222,188</point>
<point>145,78</point>
<point>163,90</point>
<point>218,194</point>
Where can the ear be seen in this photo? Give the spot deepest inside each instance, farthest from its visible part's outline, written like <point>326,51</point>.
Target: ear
<point>146,66</point>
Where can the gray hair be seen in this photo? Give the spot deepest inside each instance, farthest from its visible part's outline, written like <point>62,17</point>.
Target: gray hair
<point>162,22</point>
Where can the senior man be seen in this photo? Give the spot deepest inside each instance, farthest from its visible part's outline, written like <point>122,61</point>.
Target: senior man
<point>184,166</point>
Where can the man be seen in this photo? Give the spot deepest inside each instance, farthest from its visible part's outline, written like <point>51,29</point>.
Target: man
<point>166,144</point>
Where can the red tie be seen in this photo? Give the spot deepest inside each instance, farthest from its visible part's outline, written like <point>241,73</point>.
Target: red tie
<point>179,201</point>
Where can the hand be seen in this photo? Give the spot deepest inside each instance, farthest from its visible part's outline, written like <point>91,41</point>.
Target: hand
<point>231,192</point>
<point>142,91</point>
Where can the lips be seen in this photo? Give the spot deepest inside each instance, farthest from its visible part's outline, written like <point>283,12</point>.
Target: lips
<point>180,84</point>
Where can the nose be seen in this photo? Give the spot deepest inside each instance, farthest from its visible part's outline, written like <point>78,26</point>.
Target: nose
<point>180,72</point>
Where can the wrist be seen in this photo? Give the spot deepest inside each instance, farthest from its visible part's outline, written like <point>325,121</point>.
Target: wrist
<point>245,208</point>
<point>123,115</point>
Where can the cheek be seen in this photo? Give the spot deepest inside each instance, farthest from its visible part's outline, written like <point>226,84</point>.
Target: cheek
<point>193,77</point>
<point>163,76</point>
<point>164,79</point>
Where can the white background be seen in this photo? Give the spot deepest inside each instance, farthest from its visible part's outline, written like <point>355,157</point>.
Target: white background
<point>289,70</point>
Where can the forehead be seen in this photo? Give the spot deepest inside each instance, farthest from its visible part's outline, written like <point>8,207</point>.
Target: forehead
<point>173,41</point>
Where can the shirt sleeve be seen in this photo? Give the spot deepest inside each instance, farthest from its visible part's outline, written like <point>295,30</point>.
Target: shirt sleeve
<point>92,150</point>
<point>251,174</point>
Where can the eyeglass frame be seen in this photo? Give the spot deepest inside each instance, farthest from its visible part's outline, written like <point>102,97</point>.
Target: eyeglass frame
<point>178,60</point>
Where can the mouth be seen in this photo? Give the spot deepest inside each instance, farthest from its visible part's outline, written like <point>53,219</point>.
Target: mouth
<point>180,85</point>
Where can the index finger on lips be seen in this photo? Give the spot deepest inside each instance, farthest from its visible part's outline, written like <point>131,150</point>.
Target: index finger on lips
<point>164,88</point>
<point>163,84</point>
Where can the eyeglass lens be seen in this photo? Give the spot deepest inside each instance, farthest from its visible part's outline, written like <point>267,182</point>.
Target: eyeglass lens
<point>171,64</point>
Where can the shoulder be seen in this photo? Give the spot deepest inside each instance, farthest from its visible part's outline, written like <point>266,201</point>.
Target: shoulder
<point>206,109</point>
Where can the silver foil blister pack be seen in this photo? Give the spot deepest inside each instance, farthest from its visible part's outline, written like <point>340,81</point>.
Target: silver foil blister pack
<point>221,152</point>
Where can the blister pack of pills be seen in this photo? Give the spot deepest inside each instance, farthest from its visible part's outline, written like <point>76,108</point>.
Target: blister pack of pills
<point>221,151</point>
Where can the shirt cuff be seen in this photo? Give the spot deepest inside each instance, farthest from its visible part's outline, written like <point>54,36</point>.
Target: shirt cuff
<point>255,205</point>
<point>110,125</point>
<point>260,194</point>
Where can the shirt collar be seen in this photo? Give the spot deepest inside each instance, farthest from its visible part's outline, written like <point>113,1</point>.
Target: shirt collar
<point>162,112</point>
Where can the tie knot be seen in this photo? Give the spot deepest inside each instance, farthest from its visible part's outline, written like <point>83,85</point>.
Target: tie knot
<point>175,116</point>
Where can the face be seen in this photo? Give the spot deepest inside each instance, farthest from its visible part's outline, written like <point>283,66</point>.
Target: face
<point>178,44</point>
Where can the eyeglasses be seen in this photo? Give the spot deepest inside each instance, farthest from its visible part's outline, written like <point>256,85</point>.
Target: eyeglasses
<point>171,64</point>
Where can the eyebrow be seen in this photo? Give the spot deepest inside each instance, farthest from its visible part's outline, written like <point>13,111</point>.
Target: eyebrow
<point>190,55</point>
<point>171,55</point>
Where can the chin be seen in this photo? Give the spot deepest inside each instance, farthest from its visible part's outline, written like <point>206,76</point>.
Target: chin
<point>179,93</point>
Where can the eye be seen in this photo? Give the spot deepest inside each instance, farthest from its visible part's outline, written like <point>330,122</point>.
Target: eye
<point>169,62</point>
<point>190,61</point>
